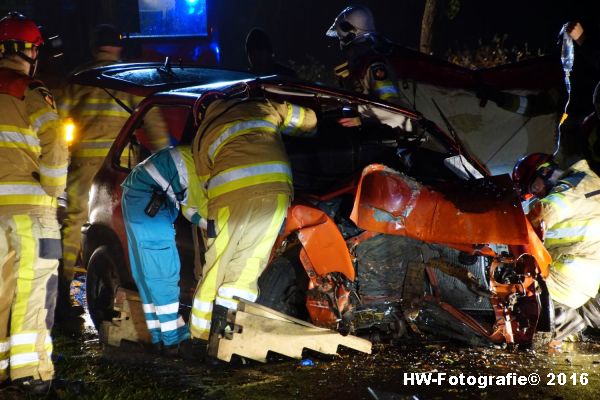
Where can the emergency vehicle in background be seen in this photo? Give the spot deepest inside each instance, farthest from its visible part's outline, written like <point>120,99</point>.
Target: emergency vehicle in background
<point>179,29</point>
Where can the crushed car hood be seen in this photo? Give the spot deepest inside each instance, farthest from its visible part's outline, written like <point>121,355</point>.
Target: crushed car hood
<point>473,213</point>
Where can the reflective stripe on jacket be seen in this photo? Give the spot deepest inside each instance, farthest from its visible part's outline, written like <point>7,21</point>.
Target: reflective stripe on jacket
<point>571,213</point>
<point>99,118</point>
<point>33,150</point>
<point>238,151</point>
<point>370,73</point>
<point>385,89</point>
<point>194,205</point>
<point>172,170</point>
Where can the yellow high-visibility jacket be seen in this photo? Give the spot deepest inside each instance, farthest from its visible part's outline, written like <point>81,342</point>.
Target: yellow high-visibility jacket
<point>33,150</point>
<point>238,151</point>
<point>571,214</point>
<point>98,117</point>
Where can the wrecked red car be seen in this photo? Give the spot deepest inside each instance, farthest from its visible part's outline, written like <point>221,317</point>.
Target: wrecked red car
<point>395,227</point>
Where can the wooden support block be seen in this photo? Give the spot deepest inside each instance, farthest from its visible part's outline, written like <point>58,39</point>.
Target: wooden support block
<point>131,323</point>
<point>263,311</point>
<point>254,336</point>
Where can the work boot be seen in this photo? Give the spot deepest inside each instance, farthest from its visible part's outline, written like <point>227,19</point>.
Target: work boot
<point>170,350</point>
<point>154,348</point>
<point>193,350</point>
<point>219,320</point>
<point>33,387</point>
<point>218,324</point>
<point>186,350</point>
<point>76,387</point>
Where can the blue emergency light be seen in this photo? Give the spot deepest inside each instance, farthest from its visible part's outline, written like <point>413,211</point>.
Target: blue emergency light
<point>172,18</point>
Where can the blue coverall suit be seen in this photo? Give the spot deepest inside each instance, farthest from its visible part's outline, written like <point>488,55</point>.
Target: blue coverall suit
<point>153,253</point>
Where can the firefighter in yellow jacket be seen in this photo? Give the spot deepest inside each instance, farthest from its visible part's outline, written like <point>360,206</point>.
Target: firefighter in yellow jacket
<point>98,119</point>
<point>33,172</point>
<point>239,154</point>
<point>568,217</point>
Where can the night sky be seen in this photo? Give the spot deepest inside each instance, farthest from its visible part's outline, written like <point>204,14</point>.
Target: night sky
<point>297,27</point>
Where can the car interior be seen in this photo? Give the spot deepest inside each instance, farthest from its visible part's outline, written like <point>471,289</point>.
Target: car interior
<point>178,123</point>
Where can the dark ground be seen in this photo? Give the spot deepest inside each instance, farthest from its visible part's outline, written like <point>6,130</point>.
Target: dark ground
<point>127,374</point>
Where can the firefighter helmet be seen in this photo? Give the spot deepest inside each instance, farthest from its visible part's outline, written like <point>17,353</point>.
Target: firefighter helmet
<point>106,35</point>
<point>18,29</point>
<point>529,167</point>
<point>17,34</point>
<point>352,23</point>
<point>257,40</point>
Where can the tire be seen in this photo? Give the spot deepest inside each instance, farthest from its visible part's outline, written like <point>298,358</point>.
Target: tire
<point>101,285</point>
<point>283,286</point>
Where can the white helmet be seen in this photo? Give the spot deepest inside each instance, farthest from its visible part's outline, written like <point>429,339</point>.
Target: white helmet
<point>352,23</point>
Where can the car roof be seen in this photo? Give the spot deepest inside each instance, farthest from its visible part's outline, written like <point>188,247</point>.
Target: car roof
<point>146,78</point>
<point>149,78</point>
<point>154,80</point>
<point>290,88</point>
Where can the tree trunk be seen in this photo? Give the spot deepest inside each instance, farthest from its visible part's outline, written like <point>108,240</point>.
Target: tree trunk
<point>431,7</point>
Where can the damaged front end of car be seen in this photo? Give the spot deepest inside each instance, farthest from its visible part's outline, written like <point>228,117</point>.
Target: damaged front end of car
<point>389,254</point>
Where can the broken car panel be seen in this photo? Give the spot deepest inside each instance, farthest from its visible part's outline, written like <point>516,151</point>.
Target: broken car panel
<point>366,248</point>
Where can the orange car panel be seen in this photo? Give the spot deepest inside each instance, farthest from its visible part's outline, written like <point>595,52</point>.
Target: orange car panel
<point>321,239</point>
<point>390,202</point>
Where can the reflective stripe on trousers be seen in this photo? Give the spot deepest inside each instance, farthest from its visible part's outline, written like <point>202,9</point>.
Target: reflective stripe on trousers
<point>155,265</point>
<point>237,256</point>
<point>28,294</point>
<point>573,280</point>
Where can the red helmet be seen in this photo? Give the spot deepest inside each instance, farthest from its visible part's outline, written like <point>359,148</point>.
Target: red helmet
<point>17,28</point>
<point>529,167</point>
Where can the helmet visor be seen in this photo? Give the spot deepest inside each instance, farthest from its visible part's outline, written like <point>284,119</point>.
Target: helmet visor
<point>332,31</point>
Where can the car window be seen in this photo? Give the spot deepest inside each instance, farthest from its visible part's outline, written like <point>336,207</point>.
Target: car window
<point>161,126</point>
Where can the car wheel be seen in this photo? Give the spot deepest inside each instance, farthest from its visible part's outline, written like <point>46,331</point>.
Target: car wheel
<point>101,284</point>
<point>283,286</point>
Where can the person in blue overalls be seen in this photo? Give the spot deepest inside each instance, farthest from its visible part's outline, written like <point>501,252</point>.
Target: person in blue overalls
<point>152,194</point>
